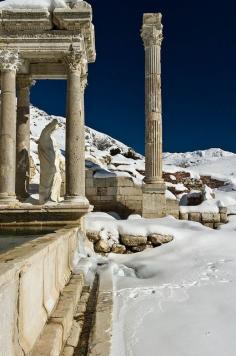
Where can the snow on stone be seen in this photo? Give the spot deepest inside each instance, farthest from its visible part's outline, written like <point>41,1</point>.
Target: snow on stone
<point>178,299</point>
<point>36,4</point>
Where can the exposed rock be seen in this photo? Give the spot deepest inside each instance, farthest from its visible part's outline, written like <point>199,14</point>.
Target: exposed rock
<point>138,248</point>
<point>93,236</point>
<point>158,239</point>
<point>102,246</point>
<point>117,248</point>
<point>131,240</point>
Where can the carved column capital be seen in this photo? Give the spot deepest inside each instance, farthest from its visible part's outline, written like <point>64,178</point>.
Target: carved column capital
<point>152,30</point>
<point>9,60</point>
<point>73,61</point>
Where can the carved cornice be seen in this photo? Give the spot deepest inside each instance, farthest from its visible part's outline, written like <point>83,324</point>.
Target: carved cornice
<point>73,61</point>
<point>9,60</point>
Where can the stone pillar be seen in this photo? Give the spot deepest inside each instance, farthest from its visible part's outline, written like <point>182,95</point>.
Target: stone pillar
<point>9,62</point>
<point>23,136</point>
<point>154,201</point>
<point>75,132</point>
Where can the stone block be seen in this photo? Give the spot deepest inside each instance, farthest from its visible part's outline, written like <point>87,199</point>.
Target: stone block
<point>73,339</point>
<point>63,264</point>
<point>157,239</point>
<point>68,351</point>
<point>51,291</point>
<point>63,315</point>
<point>50,342</point>
<point>101,191</point>
<point>129,191</point>
<point>183,216</point>
<point>132,240</point>
<point>89,183</point>
<point>195,217</point>
<point>223,210</point>
<point>100,182</point>
<point>210,217</point>
<point>112,191</point>
<point>224,218</point>
<point>124,182</point>
<point>32,314</point>
<point>102,246</point>
<point>154,205</point>
<point>90,191</point>
<point>9,344</point>
<point>73,290</point>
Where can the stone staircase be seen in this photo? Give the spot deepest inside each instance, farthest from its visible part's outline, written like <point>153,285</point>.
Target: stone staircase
<point>68,329</point>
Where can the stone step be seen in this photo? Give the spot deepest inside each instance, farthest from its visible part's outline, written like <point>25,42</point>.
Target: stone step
<point>61,326</point>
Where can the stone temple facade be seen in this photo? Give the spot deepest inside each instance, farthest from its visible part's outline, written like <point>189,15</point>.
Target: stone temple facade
<point>38,44</point>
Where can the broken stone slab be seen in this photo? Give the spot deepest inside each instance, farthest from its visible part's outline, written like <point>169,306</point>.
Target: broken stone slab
<point>102,246</point>
<point>159,239</point>
<point>117,248</point>
<point>132,240</point>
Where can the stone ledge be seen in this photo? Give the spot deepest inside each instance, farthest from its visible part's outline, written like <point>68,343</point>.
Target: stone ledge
<point>61,327</point>
<point>101,333</point>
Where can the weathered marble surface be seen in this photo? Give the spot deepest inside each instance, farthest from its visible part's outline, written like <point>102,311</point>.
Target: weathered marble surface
<point>50,165</point>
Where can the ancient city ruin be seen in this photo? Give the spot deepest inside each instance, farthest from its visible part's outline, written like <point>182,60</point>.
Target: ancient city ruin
<point>69,309</point>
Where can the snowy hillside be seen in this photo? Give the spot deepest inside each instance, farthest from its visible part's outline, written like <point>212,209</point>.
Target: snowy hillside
<point>185,173</point>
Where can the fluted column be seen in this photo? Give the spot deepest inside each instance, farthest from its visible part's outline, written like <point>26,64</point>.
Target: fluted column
<point>154,200</point>
<point>75,132</point>
<point>152,38</point>
<point>9,61</point>
<point>23,136</point>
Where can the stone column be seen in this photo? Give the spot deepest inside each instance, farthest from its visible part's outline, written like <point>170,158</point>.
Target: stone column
<point>23,136</point>
<point>75,132</point>
<point>9,62</point>
<point>154,202</point>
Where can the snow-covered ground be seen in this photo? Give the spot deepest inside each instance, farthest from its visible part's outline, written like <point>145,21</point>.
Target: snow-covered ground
<point>177,299</point>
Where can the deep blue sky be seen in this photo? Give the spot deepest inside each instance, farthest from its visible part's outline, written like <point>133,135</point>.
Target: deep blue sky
<point>198,80</point>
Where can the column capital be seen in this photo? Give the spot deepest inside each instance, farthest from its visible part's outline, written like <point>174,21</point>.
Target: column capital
<point>152,30</point>
<point>9,59</point>
<point>73,61</point>
<point>24,81</point>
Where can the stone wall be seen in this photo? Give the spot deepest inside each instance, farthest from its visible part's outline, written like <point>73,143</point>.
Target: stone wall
<point>212,220</point>
<point>32,277</point>
<point>118,194</point>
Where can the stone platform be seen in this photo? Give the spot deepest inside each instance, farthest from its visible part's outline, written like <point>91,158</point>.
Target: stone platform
<point>27,215</point>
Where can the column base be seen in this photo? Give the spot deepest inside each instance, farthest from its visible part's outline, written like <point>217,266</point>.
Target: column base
<point>74,199</point>
<point>8,199</point>
<point>154,201</point>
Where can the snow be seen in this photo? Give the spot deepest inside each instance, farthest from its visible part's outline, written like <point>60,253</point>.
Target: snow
<point>178,299</point>
<point>35,4</point>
